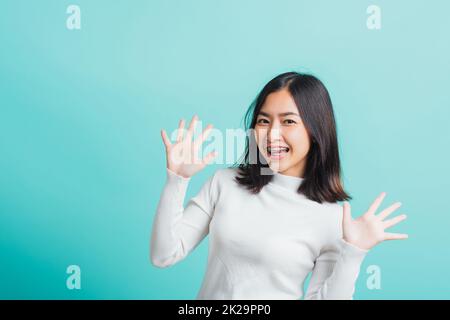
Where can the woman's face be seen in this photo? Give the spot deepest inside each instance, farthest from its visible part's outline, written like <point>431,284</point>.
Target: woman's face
<point>281,136</point>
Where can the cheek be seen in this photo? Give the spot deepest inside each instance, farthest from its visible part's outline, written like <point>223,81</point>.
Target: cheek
<point>260,136</point>
<point>299,142</point>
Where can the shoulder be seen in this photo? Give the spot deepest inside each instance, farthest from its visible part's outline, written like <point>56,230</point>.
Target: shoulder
<point>217,186</point>
<point>334,208</point>
<point>225,174</point>
<point>225,177</point>
<point>333,213</point>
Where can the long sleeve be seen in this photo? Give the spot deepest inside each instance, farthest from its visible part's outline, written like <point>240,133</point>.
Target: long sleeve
<point>177,230</point>
<point>335,272</point>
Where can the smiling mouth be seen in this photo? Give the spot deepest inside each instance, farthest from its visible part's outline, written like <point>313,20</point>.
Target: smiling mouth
<point>277,151</point>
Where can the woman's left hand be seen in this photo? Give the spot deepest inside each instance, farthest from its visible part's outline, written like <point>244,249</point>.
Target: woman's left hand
<point>368,230</point>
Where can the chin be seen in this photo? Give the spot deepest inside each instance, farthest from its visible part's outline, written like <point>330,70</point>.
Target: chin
<point>278,167</point>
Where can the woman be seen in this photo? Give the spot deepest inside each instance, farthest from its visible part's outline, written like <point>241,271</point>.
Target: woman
<point>273,218</point>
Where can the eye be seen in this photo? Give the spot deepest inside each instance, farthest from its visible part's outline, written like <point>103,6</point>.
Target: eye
<point>259,121</point>
<point>289,121</point>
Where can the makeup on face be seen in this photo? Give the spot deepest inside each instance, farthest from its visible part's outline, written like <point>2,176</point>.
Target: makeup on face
<point>281,135</point>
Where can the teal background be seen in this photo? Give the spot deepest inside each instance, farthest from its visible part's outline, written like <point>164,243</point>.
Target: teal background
<point>82,163</point>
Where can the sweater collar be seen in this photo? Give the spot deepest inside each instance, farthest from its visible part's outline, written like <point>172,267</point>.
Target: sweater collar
<point>285,181</point>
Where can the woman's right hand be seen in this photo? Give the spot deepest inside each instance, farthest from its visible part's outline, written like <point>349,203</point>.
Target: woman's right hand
<point>182,156</point>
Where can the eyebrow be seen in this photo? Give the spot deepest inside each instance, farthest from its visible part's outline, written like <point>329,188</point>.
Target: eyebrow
<point>280,114</point>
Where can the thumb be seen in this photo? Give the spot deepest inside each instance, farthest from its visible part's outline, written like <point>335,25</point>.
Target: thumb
<point>209,157</point>
<point>347,216</point>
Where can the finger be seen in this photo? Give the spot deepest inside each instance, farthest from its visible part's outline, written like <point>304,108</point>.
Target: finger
<point>200,139</point>
<point>373,208</point>
<point>209,157</point>
<point>347,212</point>
<point>386,212</point>
<point>392,222</point>
<point>395,236</point>
<point>166,139</point>
<point>180,132</point>
<point>191,128</point>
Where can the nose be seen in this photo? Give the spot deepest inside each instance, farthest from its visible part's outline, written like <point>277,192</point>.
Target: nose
<point>274,132</point>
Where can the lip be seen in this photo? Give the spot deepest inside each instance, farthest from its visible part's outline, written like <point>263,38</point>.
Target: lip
<point>279,156</point>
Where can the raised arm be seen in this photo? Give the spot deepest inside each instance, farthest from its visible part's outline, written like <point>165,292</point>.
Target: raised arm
<point>337,267</point>
<point>335,272</point>
<point>177,230</point>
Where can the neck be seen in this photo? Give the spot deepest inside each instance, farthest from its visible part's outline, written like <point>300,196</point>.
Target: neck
<point>286,181</point>
<point>296,171</point>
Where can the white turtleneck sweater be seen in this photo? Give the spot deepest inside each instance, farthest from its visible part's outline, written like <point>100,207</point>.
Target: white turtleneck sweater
<point>261,246</point>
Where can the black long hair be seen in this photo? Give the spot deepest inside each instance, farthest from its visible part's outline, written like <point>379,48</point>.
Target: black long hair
<point>322,176</point>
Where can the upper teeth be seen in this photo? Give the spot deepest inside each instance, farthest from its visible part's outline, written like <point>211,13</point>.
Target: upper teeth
<point>277,149</point>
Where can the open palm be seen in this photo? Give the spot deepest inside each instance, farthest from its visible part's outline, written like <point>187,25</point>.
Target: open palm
<point>369,229</point>
<point>182,156</point>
